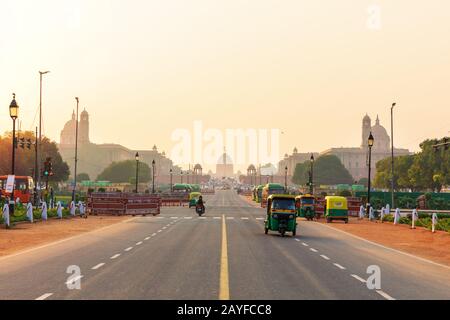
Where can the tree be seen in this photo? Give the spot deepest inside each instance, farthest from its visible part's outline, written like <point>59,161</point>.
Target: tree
<point>430,168</point>
<point>402,164</point>
<point>363,181</point>
<point>328,170</point>
<point>83,177</point>
<point>25,158</point>
<point>124,171</point>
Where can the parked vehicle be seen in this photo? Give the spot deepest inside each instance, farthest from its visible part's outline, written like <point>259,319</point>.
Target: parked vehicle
<point>281,214</point>
<point>336,208</point>
<point>24,188</point>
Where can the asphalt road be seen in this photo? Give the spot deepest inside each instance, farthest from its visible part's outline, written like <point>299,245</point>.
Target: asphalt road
<point>225,254</point>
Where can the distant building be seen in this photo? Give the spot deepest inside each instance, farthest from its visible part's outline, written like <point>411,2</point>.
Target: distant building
<point>93,158</point>
<point>291,161</point>
<point>224,166</point>
<point>355,159</point>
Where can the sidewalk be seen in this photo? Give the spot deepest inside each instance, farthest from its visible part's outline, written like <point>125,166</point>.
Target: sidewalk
<point>420,241</point>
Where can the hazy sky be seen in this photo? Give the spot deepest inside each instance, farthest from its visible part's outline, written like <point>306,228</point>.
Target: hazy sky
<point>311,68</point>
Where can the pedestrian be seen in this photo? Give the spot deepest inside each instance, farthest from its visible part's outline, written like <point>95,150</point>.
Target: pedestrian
<point>73,208</point>
<point>59,210</point>
<point>382,212</point>
<point>434,220</point>
<point>371,214</point>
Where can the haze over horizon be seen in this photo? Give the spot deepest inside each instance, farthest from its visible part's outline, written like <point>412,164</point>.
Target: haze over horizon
<point>311,69</point>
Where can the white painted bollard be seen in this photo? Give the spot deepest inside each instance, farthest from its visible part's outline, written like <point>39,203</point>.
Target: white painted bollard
<point>388,209</point>
<point>397,216</point>
<point>5,215</point>
<point>73,208</point>
<point>382,214</point>
<point>414,216</point>
<point>434,220</point>
<point>362,212</point>
<point>59,210</point>
<point>81,208</point>
<point>30,212</point>
<point>371,214</point>
<point>44,211</point>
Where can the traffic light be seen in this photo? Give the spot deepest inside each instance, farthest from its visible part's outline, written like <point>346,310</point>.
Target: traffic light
<point>22,143</point>
<point>29,143</point>
<point>48,169</point>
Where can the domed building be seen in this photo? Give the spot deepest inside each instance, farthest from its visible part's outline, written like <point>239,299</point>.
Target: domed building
<point>355,159</point>
<point>224,166</point>
<point>93,158</point>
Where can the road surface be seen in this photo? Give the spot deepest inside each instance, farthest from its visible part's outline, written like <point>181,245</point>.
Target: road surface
<point>224,254</point>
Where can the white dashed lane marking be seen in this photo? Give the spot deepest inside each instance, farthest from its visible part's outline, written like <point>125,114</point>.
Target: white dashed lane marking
<point>44,296</point>
<point>147,238</point>
<point>298,240</point>
<point>139,243</point>
<point>305,244</point>
<point>384,295</point>
<point>339,266</point>
<point>358,278</point>
<point>129,248</point>
<point>325,257</point>
<point>115,256</point>
<point>98,266</point>
<point>153,234</point>
<point>159,231</point>
<point>244,218</point>
<point>313,250</point>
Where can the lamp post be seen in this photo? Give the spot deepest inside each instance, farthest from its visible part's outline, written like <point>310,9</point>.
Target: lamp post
<point>153,176</point>
<point>39,156</point>
<point>311,177</point>
<point>171,184</point>
<point>392,155</point>
<point>76,154</point>
<point>14,114</point>
<point>285,178</point>
<point>370,142</point>
<point>181,174</point>
<point>137,171</point>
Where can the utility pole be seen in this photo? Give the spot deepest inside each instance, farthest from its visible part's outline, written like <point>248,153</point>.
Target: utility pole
<point>36,169</point>
<point>39,155</point>
<point>392,155</point>
<point>76,154</point>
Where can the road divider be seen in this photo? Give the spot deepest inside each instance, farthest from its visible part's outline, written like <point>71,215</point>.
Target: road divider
<point>224,290</point>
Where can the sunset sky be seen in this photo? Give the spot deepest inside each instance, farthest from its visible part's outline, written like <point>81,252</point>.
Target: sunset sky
<point>311,68</point>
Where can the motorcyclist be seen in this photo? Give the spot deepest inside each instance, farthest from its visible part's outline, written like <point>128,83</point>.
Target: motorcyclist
<point>200,203</point>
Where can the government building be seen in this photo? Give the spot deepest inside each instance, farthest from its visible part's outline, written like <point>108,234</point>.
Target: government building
<point>93,158</point>
<point>354,159</point>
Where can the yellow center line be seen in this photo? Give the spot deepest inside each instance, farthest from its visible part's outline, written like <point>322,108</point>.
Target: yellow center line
<point>224,291</point>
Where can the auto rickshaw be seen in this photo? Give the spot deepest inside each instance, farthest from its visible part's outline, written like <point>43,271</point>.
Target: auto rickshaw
<point>336,209</point>
<point>193,197</point>
<point>258,191</point>
<point>305,205</point>
<point>281,215</point>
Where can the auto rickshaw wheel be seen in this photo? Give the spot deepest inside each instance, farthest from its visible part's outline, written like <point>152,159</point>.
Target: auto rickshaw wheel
<point>346,220</point>
<point>328,220</point>
<point>294,232</point>
<point>266,230</point>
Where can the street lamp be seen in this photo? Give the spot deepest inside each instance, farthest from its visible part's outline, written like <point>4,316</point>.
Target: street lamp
<point>285,178</point>
<point>39,146</point>
<point>171,184</point>
<point>181,174</point>
<point>370,142</point>
<point>311,177</point>
<point>137,171</point>
<point>14,114</point>
<point>153,176</point>
<point>76,154</point>
<point>392,155</point>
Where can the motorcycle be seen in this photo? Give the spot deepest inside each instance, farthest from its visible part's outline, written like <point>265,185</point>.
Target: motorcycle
<point>200,209</point>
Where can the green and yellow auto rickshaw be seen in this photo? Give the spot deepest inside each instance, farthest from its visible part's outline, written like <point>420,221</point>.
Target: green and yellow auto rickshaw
<point>336,209</point>
<point>281,215</point>
<point>193,198</point>
<point>305,205</point>
<point>258,192</point>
